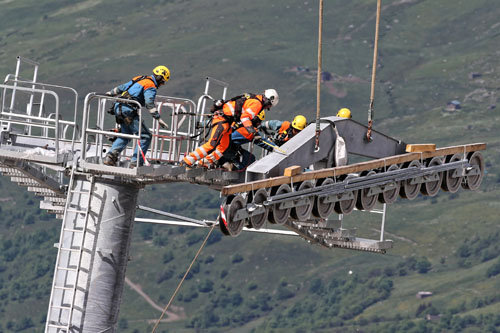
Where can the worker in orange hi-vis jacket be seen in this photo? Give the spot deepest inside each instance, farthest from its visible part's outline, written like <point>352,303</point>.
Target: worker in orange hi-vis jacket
<point>240,109</point>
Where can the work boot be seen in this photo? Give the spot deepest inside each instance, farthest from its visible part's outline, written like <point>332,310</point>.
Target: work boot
<point>110,159</point>
<point>132,164</point>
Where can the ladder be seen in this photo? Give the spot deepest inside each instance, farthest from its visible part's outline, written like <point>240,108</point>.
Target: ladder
<point>69,257</point>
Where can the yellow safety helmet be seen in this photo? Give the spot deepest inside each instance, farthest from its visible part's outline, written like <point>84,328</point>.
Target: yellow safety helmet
<point>344,113</point>
<point>262,115</point>
<point>162,71</point>
<point>299,122</point>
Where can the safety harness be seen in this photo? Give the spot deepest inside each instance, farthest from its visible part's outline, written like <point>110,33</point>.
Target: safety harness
<point>120,118</point>
<point>238,105</point>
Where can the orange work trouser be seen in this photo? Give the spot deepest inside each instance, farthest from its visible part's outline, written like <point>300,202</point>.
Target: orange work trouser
<point>218,142</point>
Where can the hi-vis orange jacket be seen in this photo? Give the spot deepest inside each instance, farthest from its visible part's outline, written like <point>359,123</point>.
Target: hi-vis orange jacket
<point>250,109</point>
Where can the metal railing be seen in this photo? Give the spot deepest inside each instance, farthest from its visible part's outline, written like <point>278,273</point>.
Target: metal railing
<point>93,135</point>
<point>168,145</point>
<point>30,62</point>
<point>41,110</point>
<point>49,127</point>
<point>172,144</point>
<point>202,104</point>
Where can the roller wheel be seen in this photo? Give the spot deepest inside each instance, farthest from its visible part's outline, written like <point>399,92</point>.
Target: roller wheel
<point>277,215</point>
<point>232,227</point>
<point>346,206</point>
<point>451,184</point>
<point>259,197</point>
<point>365,201</point>
<point>301,213</point>
<point>410,191</point>
<point>390,196</point>
<point>321,208</point>
<point>432,188</point>
<point>472,182</point>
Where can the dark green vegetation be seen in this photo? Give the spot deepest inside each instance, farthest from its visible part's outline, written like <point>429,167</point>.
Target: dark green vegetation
<point>428,49</point>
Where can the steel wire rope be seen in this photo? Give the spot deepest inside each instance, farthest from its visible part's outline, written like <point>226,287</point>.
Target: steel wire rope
<point>374,74</point>
<point>183,278</point>
<point>318,77</point>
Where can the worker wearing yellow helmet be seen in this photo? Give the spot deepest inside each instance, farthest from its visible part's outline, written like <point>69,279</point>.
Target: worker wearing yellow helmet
<point>285,129</point>
<point>344,113</point>
<point>141,89</point>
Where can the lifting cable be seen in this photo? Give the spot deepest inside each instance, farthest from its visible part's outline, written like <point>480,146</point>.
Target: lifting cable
<point>318,78</point>
<point>374,71</point>
<point>183,278</point>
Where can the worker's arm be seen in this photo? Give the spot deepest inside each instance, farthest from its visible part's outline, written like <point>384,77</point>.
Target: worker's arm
<point>149,101</point>
<point>272,125</point>
<point>250,110</point>
<point>118,90</point>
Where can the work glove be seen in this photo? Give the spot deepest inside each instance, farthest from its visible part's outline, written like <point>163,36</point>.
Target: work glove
<point>257,137</point>
<point>111,110</point>
<point>154,113</point>
<point>205,163</point>
<point>112,92</point>
<point>228,166</point>
<point>162,123</point>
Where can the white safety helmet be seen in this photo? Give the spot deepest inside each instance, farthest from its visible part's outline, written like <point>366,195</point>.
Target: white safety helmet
<point>272,96</point>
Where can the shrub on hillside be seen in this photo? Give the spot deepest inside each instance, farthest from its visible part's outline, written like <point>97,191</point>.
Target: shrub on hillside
<point>423,265</point>
<point>168,256</point>
<point>316,286</point>
<point>164,275</point>
<point>194,238</point>
<point>236,258</point>
<point>214,238</point>
<point>206,286</point>
<point>494,270</point>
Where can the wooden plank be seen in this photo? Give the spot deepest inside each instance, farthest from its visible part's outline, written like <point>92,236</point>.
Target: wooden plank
<point>419,148</point>
<point>353,168</point>
<point>292,171</point>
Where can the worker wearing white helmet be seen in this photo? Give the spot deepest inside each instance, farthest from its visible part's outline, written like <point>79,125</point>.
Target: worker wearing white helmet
<point>240,110</point>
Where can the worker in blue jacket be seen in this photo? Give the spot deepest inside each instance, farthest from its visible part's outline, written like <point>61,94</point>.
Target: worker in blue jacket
<point>284,130</point>
<point>141,89</point>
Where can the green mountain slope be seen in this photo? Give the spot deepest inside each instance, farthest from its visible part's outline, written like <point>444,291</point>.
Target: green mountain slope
<point>428,51</point>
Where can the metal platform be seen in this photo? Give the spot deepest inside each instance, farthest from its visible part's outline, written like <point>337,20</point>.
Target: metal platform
<point>61,160</point>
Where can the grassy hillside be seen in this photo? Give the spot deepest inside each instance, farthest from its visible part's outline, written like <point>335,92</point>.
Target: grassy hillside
<point>259,283</point>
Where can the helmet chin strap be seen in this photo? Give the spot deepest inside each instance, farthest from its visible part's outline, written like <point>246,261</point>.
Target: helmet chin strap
<point>159,80</point>
<point>266,102</point>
